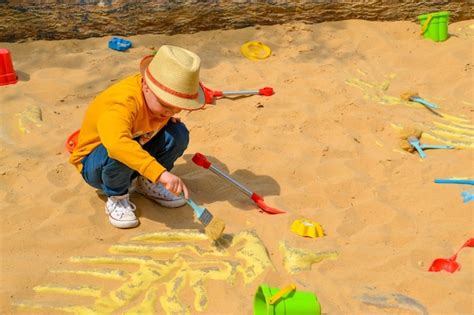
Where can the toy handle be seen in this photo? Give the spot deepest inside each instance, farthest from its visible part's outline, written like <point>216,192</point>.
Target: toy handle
<point>469,243</point>
<point>434,146</point>
<point>454,181</point>
<point>201,160</point>
<point>218,93</point>
<point>277,296</point>
<point>425,102</point>
<point>266,91</point>
<point>425,25</point>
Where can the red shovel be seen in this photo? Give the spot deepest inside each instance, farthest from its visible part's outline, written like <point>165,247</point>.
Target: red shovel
<point>210,94</point>
<point>450,264</point>
<point>201,160</point>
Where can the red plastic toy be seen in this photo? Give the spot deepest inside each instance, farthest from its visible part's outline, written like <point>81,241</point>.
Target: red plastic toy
<point>450,264</point>
<point>7,72</point>
<point>201,160</point>
<point>211,94</point>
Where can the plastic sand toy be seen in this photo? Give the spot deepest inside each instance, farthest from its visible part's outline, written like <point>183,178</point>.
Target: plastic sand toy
<point>255,50</point>
<point>450,264</point>
<point>201,160</point>
<point>7,72</point>
<point>414,97</point>
<point>210,95</point>
<point>454,181</point>
<point>415,143</point>
<point>307,228</point>
<point>119,44</point>
<point>434,26</point>
<point>286,301</point>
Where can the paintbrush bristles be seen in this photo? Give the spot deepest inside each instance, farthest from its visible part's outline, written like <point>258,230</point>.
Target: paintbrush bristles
<point>405,133</point>
<point>215,229</point>
<point>408,95</point>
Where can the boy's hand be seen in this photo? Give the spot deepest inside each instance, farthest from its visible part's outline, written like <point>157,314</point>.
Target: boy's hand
<point>174,184</point>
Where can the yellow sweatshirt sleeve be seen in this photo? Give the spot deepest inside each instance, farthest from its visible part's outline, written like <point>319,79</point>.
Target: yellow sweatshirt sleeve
<point>115,131</point>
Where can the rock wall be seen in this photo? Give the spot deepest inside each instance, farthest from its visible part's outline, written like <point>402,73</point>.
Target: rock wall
<point>62,19</point>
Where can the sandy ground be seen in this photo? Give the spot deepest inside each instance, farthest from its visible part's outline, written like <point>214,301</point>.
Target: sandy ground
<point>325,147</point>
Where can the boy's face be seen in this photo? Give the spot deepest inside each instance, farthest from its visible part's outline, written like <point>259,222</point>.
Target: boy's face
<point>156,107</point>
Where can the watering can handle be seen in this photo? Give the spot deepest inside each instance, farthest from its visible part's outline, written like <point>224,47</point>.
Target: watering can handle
<point>277,296</point>
<point>425,25</point>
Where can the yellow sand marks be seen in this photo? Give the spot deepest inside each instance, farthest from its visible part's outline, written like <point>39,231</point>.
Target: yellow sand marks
<point>110,274</point>
<point>161,273</point>
<point>31,116</point>
<point>80,291</point>
<point>297,259</point>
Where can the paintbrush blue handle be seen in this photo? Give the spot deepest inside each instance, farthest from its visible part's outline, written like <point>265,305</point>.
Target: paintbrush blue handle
<point>434,146</point>
<point>416,145</point>
<point>454,181</point>
<point>197,209</point>
<point>424,102</point>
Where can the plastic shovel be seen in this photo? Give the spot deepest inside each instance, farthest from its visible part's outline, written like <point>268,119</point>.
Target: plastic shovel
<point>450,264</point>
<point>201,160</point>
<point>211,94</point>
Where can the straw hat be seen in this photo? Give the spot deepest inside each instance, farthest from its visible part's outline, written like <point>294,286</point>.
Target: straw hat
<point>173,76</point>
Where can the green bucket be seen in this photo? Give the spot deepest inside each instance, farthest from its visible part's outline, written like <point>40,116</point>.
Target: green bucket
<point>291,302</point>
<point>435,25</point>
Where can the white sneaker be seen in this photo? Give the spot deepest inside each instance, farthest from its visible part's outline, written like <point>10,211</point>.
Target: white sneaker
<point>158,193</point>
<point>120,211</point>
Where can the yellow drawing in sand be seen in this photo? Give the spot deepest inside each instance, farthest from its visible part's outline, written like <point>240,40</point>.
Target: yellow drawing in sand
<point>454,130</point>
<point>375,91</point>
<point>297,259</point>
<point>449,130</point>
<point>154,269</point>
<point>32,115</point>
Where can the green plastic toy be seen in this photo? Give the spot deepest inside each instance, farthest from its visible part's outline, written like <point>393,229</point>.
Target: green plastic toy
<point>434,26</point>
<point>286,301</point>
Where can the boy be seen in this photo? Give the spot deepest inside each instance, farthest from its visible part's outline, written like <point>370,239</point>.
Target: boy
<point>129,131</point>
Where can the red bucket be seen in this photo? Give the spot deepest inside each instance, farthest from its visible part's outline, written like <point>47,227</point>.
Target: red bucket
<point>7,72</point>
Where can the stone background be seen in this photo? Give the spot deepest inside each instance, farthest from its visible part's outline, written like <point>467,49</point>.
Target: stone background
<point>64,19</point>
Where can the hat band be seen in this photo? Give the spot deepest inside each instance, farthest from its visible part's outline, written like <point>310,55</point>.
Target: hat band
<point>169,90</point>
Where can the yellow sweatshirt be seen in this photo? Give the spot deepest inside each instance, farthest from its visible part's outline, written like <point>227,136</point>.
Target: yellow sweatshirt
<point>116,117</point>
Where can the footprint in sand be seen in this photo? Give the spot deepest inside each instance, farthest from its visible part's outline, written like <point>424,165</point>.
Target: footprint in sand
<point>59,176</point>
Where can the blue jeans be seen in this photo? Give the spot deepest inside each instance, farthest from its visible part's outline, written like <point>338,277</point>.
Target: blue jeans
<point>113,177</point>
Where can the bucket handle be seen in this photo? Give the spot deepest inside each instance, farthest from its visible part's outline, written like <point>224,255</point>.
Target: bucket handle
<point>277,296</point>
<point>425,25</point>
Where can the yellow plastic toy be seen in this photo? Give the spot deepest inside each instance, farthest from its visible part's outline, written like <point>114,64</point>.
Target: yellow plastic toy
<point>307,228</point>
<point>255,50</point>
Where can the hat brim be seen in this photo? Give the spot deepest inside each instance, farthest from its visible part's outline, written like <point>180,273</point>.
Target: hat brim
<point>169,99</point>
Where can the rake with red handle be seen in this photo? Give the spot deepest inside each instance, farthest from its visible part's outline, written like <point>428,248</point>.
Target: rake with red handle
<point>211,94</point>
<point>201,160</point>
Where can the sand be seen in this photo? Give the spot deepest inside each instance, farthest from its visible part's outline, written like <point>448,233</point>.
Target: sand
<point>324,147</point>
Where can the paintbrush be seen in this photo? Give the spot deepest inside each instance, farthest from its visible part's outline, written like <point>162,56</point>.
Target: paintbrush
<point>414,97</point>
<point>213,227</point>
<point>406,133</point>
